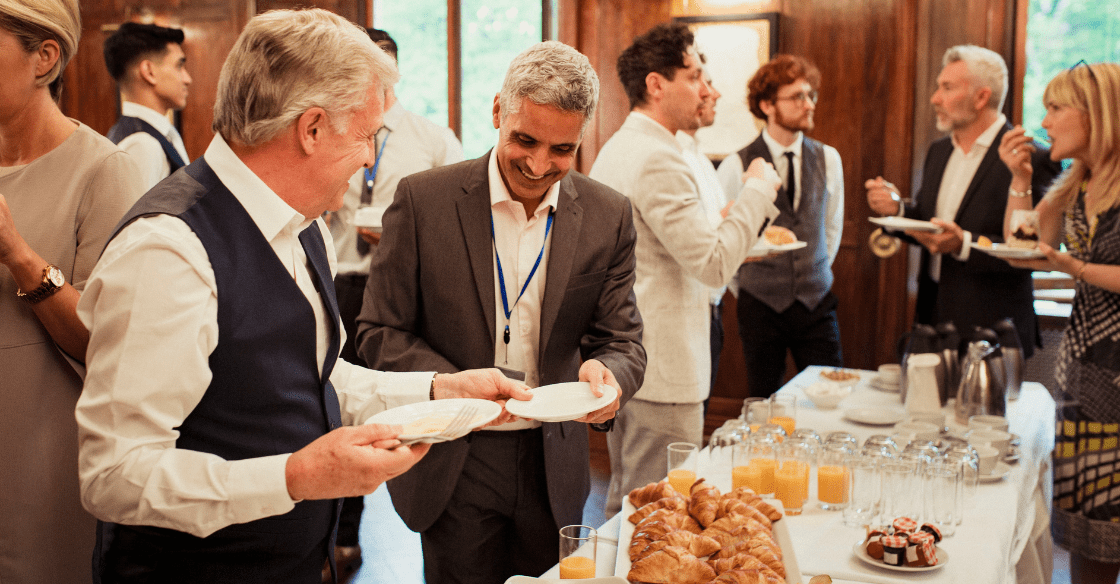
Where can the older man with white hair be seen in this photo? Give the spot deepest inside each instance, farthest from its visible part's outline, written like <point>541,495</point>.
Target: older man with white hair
<point>509,260</point>
<point>214,420</point>
<point>964,191</point>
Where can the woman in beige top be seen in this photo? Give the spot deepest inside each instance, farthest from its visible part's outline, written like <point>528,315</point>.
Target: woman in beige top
<point>63,188</point>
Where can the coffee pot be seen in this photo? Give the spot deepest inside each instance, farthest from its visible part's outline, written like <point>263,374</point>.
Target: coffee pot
<point>983,388</point>
<point>921,339</point>
<point>1012,355</point>
<point>950,359</point>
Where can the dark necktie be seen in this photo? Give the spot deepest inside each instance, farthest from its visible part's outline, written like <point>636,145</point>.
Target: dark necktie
<point>316,250</point>
<point>791,179</point>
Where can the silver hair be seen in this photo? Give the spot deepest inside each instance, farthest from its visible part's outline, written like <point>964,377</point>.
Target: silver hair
<point>288,61</point>
<point>551,73</point>
<point>987,68</point>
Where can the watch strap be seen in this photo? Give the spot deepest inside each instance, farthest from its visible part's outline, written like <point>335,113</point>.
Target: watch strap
<point>43,291</point>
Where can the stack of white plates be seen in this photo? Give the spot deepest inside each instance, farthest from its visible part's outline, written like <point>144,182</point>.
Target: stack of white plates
<point>881,384</point>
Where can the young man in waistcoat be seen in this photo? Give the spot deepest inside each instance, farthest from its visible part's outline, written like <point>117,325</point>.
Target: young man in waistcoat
<point>785,301</point>
<point>149,66</point>
<point>215,425</point>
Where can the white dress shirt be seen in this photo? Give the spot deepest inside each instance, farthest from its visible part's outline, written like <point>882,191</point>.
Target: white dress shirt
<point>959,171</point>
<point>518,242</point>
<point>730,175</point>
<point>146,150</point>
<point>711,192</point>
<point>151,306</point>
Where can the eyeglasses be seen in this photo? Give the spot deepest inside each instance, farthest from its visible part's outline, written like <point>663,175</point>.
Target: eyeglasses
<point>810,97</point>
<point>1089,68</point>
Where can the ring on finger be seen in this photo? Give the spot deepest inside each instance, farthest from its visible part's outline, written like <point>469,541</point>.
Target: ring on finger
<point>1014,150</point>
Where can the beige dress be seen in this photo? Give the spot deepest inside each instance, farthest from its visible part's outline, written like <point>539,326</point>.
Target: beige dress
<point>65,204</point>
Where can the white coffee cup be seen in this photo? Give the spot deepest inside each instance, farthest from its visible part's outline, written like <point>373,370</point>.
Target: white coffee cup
<point>995,438</point>
<point>916,430</point>
<point>989,456</point>
<point>890,373</point>
<point>990,422</point>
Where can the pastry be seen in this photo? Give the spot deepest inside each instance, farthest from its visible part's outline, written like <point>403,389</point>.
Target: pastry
<point>650,493</point>
<point>671,565</point>
<point>704,502</point>
<point>779,235</point>
<point>674,503</point>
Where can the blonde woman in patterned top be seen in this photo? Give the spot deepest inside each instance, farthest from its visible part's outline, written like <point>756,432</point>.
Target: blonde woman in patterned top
<point>1082,210</point>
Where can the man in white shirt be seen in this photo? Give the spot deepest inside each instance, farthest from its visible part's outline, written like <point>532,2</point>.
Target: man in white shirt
<point>785,300</point>
<point>215,422</point>
<point>149,66</point>
<point>681,256</point>
<point>510,260</point>
<point>964,192</point>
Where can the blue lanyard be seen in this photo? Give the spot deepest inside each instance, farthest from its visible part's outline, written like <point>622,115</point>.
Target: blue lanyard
<point>502,279</point>
<point>371,175</point>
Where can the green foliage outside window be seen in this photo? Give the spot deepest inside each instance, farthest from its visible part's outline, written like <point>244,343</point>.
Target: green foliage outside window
<point>1059,34</point>
<point>420,29</point>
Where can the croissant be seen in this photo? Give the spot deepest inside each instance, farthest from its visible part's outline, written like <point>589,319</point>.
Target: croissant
<point>742,577</point>
<point>671,565</point>
<point>744,494</point>
<point>766,508</point>
<point>674,518</point>
<point>640,548</point>
<point>704,502</point>
<point>736,562</point>
<point>772,561</point>
<point>697,545</point>
<point>650,493</point>
<point>674,503</point>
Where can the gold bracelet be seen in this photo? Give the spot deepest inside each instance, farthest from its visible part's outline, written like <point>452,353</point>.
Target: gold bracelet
<point>1011,192</point>
<point>1080,273</point>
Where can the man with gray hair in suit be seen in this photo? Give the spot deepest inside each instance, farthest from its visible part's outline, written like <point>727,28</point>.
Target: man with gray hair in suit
<point>217,424</point>
<point>509,260</point>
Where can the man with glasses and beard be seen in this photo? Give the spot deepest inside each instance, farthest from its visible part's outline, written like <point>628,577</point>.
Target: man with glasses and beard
<point>785,300</point>
<point>964,192</point>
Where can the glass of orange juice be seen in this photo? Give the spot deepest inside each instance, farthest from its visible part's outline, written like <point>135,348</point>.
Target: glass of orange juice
<point>577,552</point>
<point>832,476</point>
<point>791,477</point>
<point>682,466</point>
<point>783,411</point>
<point>753,463</point>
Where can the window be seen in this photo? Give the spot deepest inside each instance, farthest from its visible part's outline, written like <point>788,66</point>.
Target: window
<point>491,33</point>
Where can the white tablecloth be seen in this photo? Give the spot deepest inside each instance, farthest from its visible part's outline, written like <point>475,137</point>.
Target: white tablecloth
<point>1003,539</point>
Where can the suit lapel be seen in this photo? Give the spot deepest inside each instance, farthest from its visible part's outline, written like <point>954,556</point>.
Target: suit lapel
<point>939,154</point>
<point>474,221</point>
<point>565,239</point>
<point>990,157</point>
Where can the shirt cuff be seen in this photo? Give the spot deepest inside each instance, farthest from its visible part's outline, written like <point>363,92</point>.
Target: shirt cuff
<point>966,246</point>
<point>258,488</point>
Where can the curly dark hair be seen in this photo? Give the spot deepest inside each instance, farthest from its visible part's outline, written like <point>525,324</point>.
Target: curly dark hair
<point>135,42</point>
<point>781,70</point>
<point>661,50</point>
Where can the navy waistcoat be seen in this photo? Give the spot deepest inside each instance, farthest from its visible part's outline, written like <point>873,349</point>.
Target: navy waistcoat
<point>266,397</point>
<point>128,125</point>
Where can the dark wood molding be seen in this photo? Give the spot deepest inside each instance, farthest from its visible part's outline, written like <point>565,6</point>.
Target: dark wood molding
<point>454,68</point>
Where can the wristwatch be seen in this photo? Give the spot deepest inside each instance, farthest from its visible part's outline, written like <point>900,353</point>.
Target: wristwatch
<point>53,280</point>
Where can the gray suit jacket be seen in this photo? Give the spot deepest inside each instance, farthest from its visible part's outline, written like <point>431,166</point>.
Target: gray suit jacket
<point>429,306</point>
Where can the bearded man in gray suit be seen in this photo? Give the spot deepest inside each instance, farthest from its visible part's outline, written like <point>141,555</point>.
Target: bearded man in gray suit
<point>509,260</point>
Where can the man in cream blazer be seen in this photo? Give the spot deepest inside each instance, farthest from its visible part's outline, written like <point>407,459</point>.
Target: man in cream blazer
<point>680,255</point>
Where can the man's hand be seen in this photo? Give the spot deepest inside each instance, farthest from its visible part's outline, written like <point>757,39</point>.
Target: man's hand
<point>488,384</point>
<point>949,240</point>
<point>349,462</point>
<point>882,196</point>
<point>369,236</point>
<point>594,372</point>
<point>763,170</point>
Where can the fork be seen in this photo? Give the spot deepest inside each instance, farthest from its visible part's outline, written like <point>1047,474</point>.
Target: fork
<point>455,428</point>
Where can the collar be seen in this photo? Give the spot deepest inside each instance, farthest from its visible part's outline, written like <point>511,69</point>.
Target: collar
<point>777,150</point>
<point>270,213</point>
<point>500,194</point>
<point>648,125</point>
<point>688,143</point>
<point>985,139</point>
<point>156,119</point>
<point>393,117</point>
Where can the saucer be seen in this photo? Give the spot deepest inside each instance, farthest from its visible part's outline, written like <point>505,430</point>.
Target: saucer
<point>878,383</point>
<point>1012,455</point>
<point>1001,470</point>
<point>875,416</point>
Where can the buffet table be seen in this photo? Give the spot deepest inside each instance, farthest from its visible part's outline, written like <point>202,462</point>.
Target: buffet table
<point>1005,535</point>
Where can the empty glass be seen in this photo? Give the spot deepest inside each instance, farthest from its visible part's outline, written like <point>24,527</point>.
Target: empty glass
<point>842,437</point>
<point>864,491</point>
<point>901,489</point>
<point>941,500</point>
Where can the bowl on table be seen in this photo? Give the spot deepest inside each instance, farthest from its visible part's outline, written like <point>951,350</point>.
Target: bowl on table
<point>826,395</point>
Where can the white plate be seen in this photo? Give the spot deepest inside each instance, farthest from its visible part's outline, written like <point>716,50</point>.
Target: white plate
<point>878,383</point>
<point>861,553</point>
<point>441,410</point>
<point>762,248</point>
<point>369,218</point>
<point>1001,470</point>
<point>905,224</point>
<point>841,382</point>
<point>779,529</point>
<point>875,416</point>
<point>561,402</point>
<point>1003,251</point>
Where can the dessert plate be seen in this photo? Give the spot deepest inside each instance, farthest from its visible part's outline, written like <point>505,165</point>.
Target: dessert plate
<point>561,402</point>
<point>1005,252</point>
<point>875,416</point>
<point>762,248</point>
<point>423,422</point>
<point>861,553</point>
<point>1001,470</point>
<point>905,224</point>
<point>878,383</point>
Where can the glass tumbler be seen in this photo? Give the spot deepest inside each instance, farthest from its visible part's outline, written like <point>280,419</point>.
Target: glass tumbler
<point>941,501</point>
<point>791,478</point>
<point>578,545</point>
<point>753,463</point>
<point>682,466</point>
<point>783,411</point>
<point>832,476</point>
<point>864,490</point>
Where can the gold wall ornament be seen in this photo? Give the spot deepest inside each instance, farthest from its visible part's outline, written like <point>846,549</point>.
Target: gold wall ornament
<point>883,245</point>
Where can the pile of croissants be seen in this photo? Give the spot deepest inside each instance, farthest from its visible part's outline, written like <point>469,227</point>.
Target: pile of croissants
<point>705,538</point>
